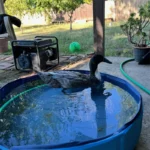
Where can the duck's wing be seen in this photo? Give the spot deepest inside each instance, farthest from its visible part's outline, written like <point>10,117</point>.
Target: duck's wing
<point>47,78</point>
<point>71,75</point>
<point>65,79</point>
<point>71,79</point>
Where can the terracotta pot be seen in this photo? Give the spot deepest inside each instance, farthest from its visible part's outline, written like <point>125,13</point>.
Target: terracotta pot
<point>3,45</point>
<point>140,52</point>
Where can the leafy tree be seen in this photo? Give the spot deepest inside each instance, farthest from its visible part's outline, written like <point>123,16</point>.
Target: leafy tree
<point>16,7</point>
<point>20,7</point>
<point>40,6</point>
<point>56,6</point>
<point>70,6</point>
<point>45,6</point>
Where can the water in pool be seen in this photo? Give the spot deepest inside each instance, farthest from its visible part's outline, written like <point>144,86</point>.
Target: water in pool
<point>48,116</point>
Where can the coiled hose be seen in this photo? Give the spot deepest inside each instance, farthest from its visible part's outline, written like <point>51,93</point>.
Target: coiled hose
<point>131,79</point>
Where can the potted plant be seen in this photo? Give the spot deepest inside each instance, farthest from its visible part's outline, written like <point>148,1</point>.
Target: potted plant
<point>136,30</point>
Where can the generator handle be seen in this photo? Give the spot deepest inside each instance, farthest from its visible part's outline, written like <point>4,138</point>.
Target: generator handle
<point>24,41</point>
<point>52,37</point>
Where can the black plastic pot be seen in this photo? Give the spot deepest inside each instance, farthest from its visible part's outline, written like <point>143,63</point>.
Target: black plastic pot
<point>142,55</point>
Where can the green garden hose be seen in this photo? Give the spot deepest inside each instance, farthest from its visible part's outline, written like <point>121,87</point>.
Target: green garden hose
<point>131,79</point>
<point>13,98</point>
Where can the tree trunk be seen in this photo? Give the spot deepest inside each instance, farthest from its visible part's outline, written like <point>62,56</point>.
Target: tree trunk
<point>70,23</point>
<point>71,15</point>
<point>98,25</point>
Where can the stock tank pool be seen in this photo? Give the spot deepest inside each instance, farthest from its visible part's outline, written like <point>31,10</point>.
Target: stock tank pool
<point>35,116</point>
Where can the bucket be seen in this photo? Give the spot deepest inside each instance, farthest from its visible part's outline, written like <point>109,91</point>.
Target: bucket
<point>140,52</point>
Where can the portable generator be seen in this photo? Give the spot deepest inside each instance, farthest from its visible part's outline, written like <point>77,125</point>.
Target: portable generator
<point>42,53</point>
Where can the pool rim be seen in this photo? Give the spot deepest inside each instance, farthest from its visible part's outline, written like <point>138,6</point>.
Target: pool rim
<point>105,77</point>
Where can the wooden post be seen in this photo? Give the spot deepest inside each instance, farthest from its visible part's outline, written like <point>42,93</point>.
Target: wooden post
<point>98,25</point>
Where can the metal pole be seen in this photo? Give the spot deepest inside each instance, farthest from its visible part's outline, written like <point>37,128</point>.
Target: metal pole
<point>98,25</point>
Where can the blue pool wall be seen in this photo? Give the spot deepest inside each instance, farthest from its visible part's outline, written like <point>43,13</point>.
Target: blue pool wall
<point>125,139</point>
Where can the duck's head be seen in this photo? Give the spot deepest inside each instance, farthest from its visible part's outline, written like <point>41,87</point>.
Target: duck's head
<point>95,60</point>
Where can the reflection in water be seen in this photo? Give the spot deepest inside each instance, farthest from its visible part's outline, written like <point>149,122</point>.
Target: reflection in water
<point>48,116</point>
<point>99,96</point>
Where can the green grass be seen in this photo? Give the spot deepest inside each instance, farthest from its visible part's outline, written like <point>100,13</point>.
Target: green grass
<point>116,43</point>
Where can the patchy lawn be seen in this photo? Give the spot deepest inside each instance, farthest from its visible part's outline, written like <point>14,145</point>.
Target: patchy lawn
<point>116,43</point>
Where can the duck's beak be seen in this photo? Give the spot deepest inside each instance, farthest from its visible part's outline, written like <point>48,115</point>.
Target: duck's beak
<point>107,61</point>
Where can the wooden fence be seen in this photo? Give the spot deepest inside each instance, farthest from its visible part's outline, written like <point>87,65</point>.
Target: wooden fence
<point>85,13</point>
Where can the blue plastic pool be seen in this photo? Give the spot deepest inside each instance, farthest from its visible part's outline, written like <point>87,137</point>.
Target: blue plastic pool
<point>125,137</point>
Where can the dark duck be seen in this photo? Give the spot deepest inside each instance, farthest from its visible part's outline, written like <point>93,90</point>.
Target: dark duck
<point>73,79</point>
